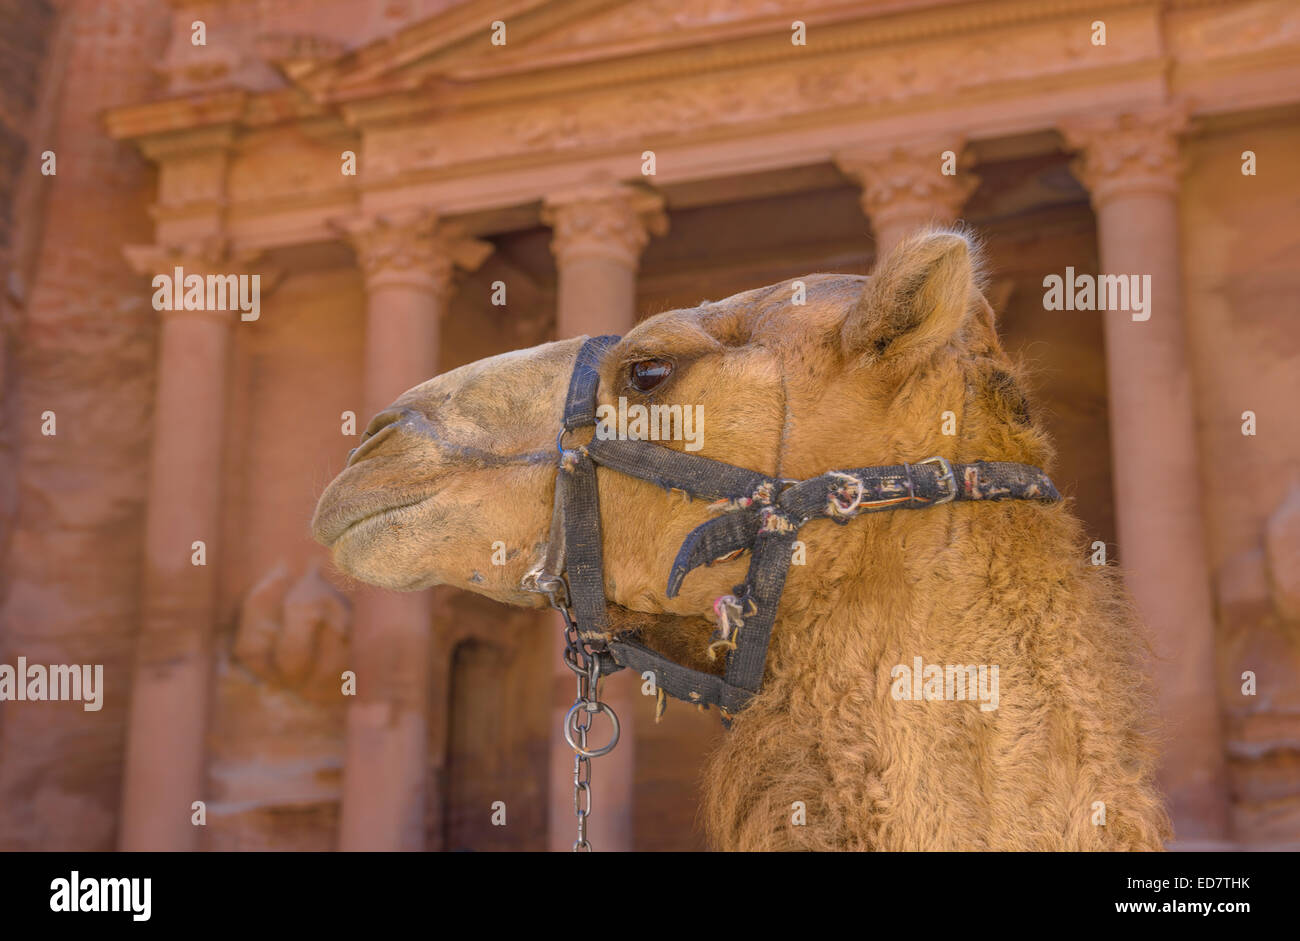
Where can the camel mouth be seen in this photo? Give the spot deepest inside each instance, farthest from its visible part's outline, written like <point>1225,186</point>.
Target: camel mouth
<point>334,524</point>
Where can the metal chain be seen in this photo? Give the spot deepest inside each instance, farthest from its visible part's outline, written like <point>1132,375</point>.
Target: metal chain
<point>585,665</point>
<point>580,723</point>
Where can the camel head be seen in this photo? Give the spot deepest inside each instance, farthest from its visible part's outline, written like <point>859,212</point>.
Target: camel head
<point>453,483</point>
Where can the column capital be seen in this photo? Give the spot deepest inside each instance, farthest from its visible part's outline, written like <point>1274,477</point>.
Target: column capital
<point>412,248</point>
<point>1127,152</point>
<point>607,220</point>
<point>903,182</point>
<point>214,259</point>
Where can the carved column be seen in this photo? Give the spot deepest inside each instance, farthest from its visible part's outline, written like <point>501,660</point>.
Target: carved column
<point>408,261</point>
<point>600,231</point>
<point>1130,165</point>
<point>904,187</point>
<point>167,725</point>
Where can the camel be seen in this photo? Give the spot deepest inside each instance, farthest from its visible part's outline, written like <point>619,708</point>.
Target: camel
<point>828,756</point>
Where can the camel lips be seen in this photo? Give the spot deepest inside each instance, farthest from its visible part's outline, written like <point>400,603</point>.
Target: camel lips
<point>57,682</point>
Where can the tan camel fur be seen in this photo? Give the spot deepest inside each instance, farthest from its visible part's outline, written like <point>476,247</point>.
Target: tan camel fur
<point>859,375</point>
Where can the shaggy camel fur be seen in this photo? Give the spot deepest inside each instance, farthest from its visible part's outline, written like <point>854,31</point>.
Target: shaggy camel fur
<point>860,374</point>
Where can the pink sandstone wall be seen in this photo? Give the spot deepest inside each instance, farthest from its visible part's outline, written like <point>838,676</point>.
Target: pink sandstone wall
<point>276,750</point>
<point>25,57</point>
<point>1241,264</point>
<point>85,352</point>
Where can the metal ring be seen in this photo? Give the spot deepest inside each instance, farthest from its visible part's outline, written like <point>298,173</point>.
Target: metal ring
<point>559,439</point>
<point>590,752</point>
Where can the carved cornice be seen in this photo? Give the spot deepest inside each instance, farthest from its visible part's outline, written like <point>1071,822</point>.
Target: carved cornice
<point>431,105</point>
<point>467,77</point>
<point>463,77</point>
<point>1133,152</point>
<point>604,220</point>
<point>618,49</point>
<point>802,90</point>
<point>904,183</point>
<point>411,248</point>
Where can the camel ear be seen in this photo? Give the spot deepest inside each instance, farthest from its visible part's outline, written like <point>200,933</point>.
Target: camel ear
<point>981,327</point>
<point>915,302</point>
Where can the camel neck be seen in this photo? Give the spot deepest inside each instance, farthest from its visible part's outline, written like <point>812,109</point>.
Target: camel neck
<point>906,585</point>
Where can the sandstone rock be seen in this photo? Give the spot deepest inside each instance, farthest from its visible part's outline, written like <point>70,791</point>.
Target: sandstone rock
<point>1282,546</point>
<point>294,635</point>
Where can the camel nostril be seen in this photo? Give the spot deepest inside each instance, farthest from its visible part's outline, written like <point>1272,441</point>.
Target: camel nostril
<point>381,421</point>
<point>374,432</point>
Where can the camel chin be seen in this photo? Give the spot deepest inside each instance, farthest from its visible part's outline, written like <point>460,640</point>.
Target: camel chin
<point>366,549</point>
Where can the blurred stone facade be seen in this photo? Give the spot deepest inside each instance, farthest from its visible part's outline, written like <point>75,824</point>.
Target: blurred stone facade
<point>524,164</point>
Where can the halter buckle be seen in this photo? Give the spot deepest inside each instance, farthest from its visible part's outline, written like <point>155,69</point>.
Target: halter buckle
<point>947,477</point>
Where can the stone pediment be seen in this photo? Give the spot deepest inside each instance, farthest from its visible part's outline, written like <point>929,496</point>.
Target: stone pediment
<point>456,47</point>
<point>654,23</point>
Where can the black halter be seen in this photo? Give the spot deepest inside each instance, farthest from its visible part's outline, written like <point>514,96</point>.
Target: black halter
<point>761,514</point>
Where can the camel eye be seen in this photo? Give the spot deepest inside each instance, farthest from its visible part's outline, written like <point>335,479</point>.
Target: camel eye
<point>648,373</point>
